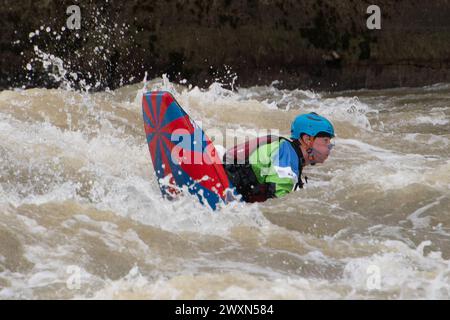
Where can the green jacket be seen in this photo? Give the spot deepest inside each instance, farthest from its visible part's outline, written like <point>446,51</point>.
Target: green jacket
<point>276,163</point>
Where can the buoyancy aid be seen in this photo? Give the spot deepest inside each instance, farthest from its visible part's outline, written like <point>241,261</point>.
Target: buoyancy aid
<point>239,170</point>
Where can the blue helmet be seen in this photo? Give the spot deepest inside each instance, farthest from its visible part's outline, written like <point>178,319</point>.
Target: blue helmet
<point>310,124</point>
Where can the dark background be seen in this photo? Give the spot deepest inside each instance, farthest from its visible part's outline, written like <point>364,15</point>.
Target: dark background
<point>309,44</point>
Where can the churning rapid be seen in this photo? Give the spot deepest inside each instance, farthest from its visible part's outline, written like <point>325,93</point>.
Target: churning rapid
<point>81,214</point>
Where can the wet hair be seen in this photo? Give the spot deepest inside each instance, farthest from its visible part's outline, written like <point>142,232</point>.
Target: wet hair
<point>321,134</point>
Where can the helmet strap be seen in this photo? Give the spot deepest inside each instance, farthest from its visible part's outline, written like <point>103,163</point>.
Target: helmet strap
<point>310,151</point>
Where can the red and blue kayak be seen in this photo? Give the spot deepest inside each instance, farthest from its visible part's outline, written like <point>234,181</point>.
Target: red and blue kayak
<point>181,153</point>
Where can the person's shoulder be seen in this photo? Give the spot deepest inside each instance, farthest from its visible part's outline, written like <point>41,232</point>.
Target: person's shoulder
<point>287,148</point>
<point>284,152</point>
<point>288,156</point>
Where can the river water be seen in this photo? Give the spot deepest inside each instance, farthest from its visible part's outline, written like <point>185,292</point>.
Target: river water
<point>81,214</point>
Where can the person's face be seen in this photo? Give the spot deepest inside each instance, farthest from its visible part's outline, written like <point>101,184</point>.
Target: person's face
<point>321,149</point>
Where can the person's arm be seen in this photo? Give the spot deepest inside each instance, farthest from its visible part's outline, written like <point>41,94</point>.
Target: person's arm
<point>272,165</point>
<point>282,170</point>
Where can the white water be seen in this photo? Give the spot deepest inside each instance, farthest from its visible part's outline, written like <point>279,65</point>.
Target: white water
<point>81,215</point>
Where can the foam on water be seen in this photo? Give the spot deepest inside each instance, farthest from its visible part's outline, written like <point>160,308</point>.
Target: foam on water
<point>77,189</point>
